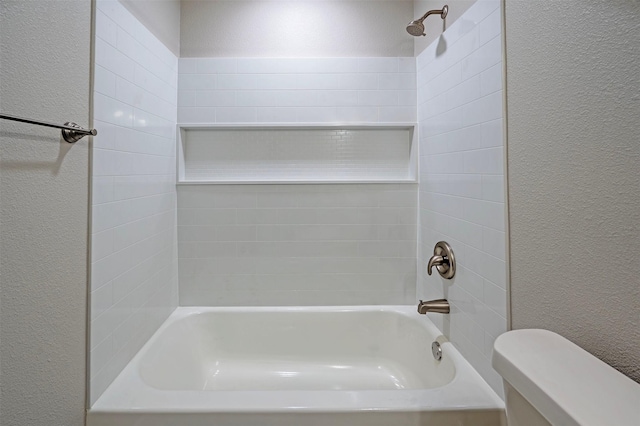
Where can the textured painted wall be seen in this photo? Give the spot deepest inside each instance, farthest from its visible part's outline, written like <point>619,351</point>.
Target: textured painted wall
<point>298,28</point>
<point>44,213</point>
<point>161,17</point>
<point>574,180</point>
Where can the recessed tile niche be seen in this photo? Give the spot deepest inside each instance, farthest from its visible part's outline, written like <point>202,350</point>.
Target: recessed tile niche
<point>297,154</point>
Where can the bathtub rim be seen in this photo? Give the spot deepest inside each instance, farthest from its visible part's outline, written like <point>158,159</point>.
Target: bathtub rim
<point>129,394</point>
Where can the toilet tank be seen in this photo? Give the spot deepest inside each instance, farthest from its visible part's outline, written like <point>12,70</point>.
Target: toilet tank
<point>550,380</point>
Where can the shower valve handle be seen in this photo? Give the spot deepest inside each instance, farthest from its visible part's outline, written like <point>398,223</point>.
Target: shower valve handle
<point>443,259</point>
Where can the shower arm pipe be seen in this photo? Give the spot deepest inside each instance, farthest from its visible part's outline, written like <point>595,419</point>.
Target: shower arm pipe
<point>71,132</point>
<point>442,12</point>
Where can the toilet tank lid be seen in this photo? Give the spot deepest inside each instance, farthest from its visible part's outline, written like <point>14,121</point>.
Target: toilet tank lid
<point>565,383</point>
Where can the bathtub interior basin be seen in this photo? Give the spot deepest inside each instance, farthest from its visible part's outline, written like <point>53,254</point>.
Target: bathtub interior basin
<point>329,366</point>
<point>283,350</point>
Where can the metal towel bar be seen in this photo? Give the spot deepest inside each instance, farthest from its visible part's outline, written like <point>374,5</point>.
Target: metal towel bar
<point>71,132</point>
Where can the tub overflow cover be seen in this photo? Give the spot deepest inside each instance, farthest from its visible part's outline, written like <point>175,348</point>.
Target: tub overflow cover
<point>436,350</point>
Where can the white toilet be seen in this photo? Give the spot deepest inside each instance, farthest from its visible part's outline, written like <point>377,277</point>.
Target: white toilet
<point>551,381</point>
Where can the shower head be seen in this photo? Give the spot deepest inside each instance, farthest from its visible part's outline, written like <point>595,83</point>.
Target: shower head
<point>416,28</point>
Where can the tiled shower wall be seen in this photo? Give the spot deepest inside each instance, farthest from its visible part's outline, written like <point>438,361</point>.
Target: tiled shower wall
<point>134,251</point>
<point>290,90</point>
<point>462,180</point>
<point>297,244</point>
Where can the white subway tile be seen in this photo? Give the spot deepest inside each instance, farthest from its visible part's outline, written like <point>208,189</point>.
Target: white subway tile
<point>111,59</point>
<point>485,57</point>
<point>260,216</point>
<point>338,98</point>
<point>467,232</point>
<point>263,98</point>
<point>407,64</point>
<point>493,242</point>
<point>128,92</point>
<point>356,114</point>
<point>112,111</point>
<point>294,98</point>
<point>195,197</point>
<point>476,335</point>
<point>127,44</point>
<point>485,109</point>
<point>490,27</point>
<point>211,98</point>
<point>102,189</point>
<point>378,65</point>
<point>465,185</point>
<point>447,163</point>
<point>471,282</point>
<point>491,79</point>
<point>105,81</point>
<point>378,97</point>
<point>467,91</point>
<point>495,298</point>
<point>265,66</point>
<point>484,213</point>
<point>467,138</point>
<point>276,200</point>
<point>236,115</point>
<point>196,115</point>
<point>484,161</point>
<point>154,85</point>
<point>215,65</point>
<point>236,233</point>
<point>396,232</point>
<point>491,134</point>
<point>274,81</point>
<point>237,82</point>
<point>187,98</point>
<point>393,81</point>
<point>187,65</point>
<point>467,42</point>
<point>206,250</point>
<point>491,321</point>
<point>101,245</point>
<point>407,97</point>
<point>147,122</point>
<point>317,115</point>
<point>397,114</point>
<point>493,188</point>
<point>331,65</point>
<point>107,135</point>
<point>277,115</point>
<point>118,13</point>
<point>200,82</point>
<point>106,29</point>
<point>210,217</point>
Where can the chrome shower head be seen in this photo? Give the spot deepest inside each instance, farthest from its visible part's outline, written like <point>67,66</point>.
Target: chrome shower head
<point>416,28</point>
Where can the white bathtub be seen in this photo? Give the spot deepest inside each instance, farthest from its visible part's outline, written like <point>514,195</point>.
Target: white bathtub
<point>365,365</point>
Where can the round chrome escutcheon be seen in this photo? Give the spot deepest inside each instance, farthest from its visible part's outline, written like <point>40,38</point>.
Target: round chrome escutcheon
<point>436,350</point>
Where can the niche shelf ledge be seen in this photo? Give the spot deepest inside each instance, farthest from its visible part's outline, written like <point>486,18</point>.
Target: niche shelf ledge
<point>297,153</point>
